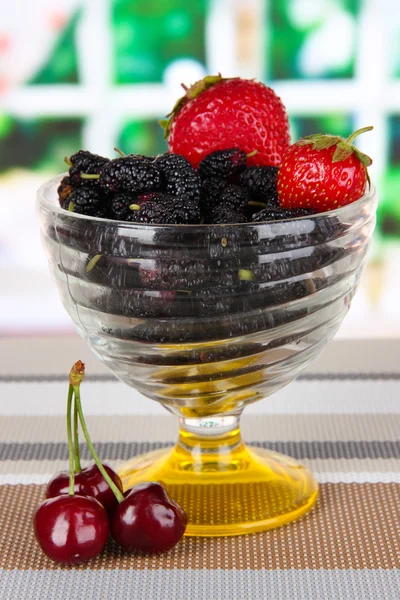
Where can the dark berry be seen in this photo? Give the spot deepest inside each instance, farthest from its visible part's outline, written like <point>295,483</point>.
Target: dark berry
<point>279,214</point>
<point>234,197</point>
<point>224,300</point>
<point>119,206</point>
<point>155,196</point>
<point>216,354</point>
<point>71,529</point>
<point>85,162</point>
<point>260,182</point>
<point>129,174</point>
<point>150,212</point>
<point>148,521</point>
<point>179,177</point>
<point>112,271</point>
<point>177,211</point>
<point>222,163</point>
<point>88,482</point>
<point>170,161</point>
<point>214,301</point>
<point>187,274</point>
<point>224,215</point>
<point>327,228</point>
<point>303,261</point>
<point>141,157</point>
<point>210,193</point>
<point>64,190</point>
<point>85,201</point>
<point>283,292</point>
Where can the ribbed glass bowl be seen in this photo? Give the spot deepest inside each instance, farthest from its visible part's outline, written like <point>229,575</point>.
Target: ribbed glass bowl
<point>206,319</point>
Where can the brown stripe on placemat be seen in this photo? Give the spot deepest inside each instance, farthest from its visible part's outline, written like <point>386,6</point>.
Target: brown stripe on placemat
<point>354,526</point>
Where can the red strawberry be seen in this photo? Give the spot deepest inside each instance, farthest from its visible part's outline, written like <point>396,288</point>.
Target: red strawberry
<point>218,113</point>
<point>323,172</point>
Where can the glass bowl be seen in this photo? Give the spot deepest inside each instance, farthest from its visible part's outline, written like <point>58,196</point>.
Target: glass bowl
<point>206,319</point>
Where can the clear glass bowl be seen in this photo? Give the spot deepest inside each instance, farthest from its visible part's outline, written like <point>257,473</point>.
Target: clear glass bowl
<point>206,319</point>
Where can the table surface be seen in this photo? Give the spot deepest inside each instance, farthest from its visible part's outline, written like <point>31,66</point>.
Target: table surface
<point>341,418</point>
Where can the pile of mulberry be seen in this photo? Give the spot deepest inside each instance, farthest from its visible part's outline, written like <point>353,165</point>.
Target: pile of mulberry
<point>168,190</point>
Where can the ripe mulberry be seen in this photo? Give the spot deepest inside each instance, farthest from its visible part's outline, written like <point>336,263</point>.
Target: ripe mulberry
<point>86,201</point>
<point>222,163</point>
<point>177,211</point>
<point>179,177</point>
<point>84,162</point>
<point>129,174</point>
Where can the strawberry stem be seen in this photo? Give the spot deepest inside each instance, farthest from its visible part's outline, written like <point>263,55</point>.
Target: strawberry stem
<point>353,136</point>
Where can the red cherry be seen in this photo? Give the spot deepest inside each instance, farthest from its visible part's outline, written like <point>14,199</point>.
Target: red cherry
<point>148,521</point>
<point>96,486</point>
<point>89,482</point>
<point>71,529</point>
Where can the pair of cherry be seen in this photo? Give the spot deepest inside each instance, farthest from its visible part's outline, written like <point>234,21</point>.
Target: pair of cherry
<point>72,525</point>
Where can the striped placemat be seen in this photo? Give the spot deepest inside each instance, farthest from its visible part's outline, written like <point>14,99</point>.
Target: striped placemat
<point>348,546</point>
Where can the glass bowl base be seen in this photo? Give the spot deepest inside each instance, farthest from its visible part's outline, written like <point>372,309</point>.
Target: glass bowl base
<point>244,491</point>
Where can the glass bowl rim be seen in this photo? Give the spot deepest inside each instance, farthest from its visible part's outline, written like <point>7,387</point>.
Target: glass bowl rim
<point>43,201</point>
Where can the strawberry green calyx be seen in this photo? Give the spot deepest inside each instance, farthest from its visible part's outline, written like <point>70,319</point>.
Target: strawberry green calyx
<point>344,147</point>
<point>77,373</point>
<point>190,93</point>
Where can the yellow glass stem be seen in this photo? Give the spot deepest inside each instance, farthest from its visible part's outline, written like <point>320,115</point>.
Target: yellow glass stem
<point>225,487</point>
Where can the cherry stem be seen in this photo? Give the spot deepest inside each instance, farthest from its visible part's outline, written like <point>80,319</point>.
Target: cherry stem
<point>78,467</point>
<point>70,445</point>
<point>353,136</point>
<point>117,493</point>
